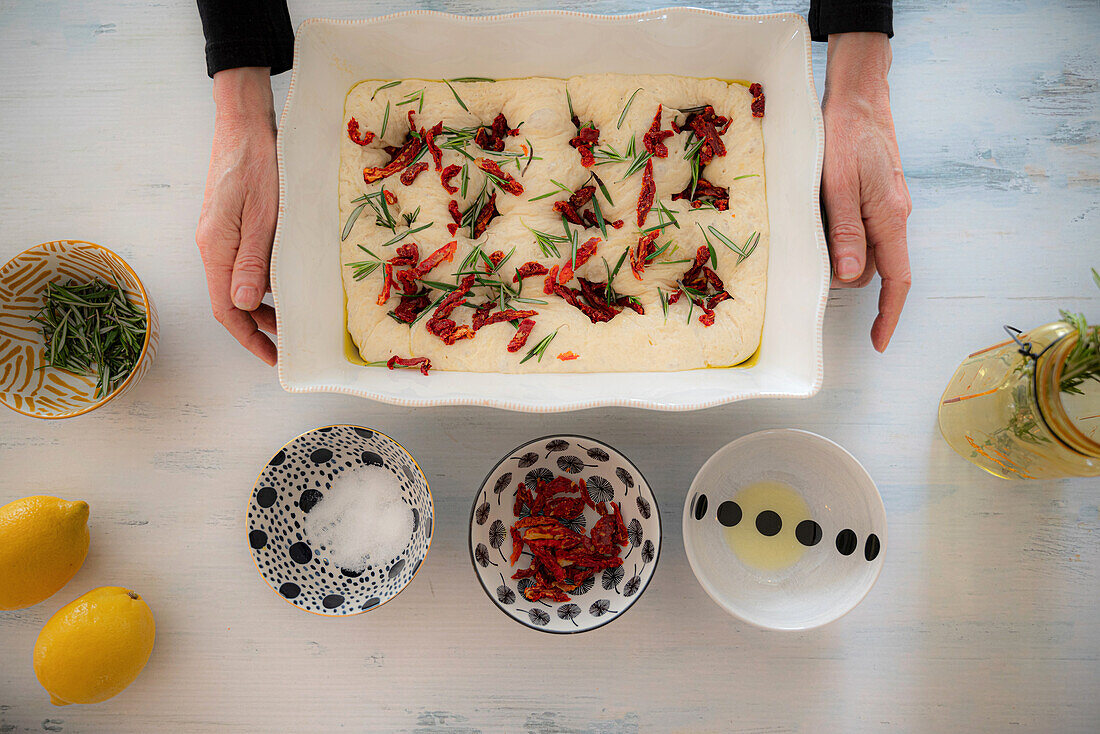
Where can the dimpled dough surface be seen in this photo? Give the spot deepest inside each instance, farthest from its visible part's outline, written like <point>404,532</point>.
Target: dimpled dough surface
<point>629,342</point>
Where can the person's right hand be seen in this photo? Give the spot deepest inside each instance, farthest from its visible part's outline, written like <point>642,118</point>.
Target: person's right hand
<point>240,208</point>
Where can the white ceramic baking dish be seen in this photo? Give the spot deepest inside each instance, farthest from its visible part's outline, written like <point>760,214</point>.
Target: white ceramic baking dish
<point>330,56</point>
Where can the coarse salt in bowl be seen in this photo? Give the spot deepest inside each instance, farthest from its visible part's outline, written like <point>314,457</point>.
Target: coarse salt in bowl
<point>340,520</point>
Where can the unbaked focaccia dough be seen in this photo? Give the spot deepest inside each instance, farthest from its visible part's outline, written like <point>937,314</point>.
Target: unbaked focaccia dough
<point>622,108</point>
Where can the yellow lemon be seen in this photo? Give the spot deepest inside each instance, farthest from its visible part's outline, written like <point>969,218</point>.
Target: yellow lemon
<point>43,542</point>
<point>94,647</point>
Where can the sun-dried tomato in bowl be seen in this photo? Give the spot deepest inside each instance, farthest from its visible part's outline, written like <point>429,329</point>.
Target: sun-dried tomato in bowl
<point>549,528</point>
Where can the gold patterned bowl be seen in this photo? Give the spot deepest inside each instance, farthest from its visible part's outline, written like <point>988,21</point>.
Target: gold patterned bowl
<point>27,385</point>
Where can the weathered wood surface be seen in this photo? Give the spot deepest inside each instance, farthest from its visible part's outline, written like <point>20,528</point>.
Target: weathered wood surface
<point>984,619</point>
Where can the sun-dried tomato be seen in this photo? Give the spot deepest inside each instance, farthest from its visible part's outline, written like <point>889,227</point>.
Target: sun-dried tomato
<point>407,254</point>
<point>645,196</point>
<point>500,126</point>
<point>485,140</point>
<point>387,281</point>
<point>488,211</point>
<point>757,93</point>
<point>391,198</point>
<point>639,255</point>
<point>620,526</point>
<point>423,363</point>
<point>654,139</point>
<point>719,196</point>
<point>603,535</point>
<point>519,339</point>
<point>568,356</point>
<point>550,281</point>
<point>705,124</point>
<point>410,307</point>
<point>718,298</point>
<point>707,317</point>
<point>506,183</point>
<point>409,174</point>
<point>495,257</point>
<point>445,178</point>
<point>448,330</point>
<point>510,314</point>
<point>517,546</point>
<point>353,133</point>
<point>713,280</point>
<point>584,253</point>
<point>674,297</point>
<point>443,254</point>
<point>596,313</point>
<point>429,136</point>
<point>454,299</point>
<point>585,138</point>
<point>631,303</point>
<point>523,498</point>
<point>529,269</point>
<point>403,158</point>
<point>452,209</point>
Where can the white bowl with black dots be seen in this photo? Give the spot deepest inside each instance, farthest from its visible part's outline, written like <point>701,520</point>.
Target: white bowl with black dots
<point>784,529</point>
<point>609,476</point>
<point>293,482</point>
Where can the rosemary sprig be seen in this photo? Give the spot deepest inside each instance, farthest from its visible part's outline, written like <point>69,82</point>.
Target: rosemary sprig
<point>539,349</point>
<point>622,116</point>
<point>530,157</point>
<point>363,268</point>
<point>410,218</point>
<point>664,301</point>
<point>417,96</point>
<point>351,220</point>
<point>382,215</point>
<point>636,165</point>
<point>569,101</point>
<point>387,85</point>
<point>91,329</point>
<point>603,189</point>
<point>464,179</point>
<point>394,240</point>
<point>1083,362</point>
<point>548,243</point>
<point>385,120</point>
<point>470,79</point>
<point>599,216</point>
<point>742,252</point>
<point>457,98</point>
<point>561,187</point>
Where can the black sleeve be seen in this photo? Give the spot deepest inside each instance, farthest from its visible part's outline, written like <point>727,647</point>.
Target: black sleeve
<point>846,16</point>
<point>247,33</point>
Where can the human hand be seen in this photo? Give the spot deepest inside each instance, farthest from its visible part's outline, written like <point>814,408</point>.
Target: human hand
<point>240,207</point>
<point>862,184</point>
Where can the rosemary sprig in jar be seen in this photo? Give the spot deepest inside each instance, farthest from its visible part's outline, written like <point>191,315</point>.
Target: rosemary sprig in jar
<point>1083,363</point>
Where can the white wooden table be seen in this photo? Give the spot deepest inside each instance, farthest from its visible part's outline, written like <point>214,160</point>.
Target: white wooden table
<point>986,616</point>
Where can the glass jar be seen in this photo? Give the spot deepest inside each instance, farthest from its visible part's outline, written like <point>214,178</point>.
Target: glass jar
<point>1005,410</point>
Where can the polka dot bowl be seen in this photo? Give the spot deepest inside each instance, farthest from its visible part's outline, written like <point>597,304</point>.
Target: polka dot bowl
<point>609,476</point>
<point>784,529</point>
<point>288,488</point>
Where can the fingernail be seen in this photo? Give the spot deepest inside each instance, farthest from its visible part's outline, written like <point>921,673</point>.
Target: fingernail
<point>847,268</point>
<point>244,298</point>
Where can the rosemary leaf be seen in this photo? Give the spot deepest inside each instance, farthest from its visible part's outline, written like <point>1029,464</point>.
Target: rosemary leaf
<point>622,116</point>
<point>351,220</point>
<point>387,85</point>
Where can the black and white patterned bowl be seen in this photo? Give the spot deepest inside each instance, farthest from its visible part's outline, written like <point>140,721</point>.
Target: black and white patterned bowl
<point>293,481</point>
<point>609,476</point>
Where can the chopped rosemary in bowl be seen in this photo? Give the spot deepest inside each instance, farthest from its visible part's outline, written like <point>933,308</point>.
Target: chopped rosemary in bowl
<point>91,329</point>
